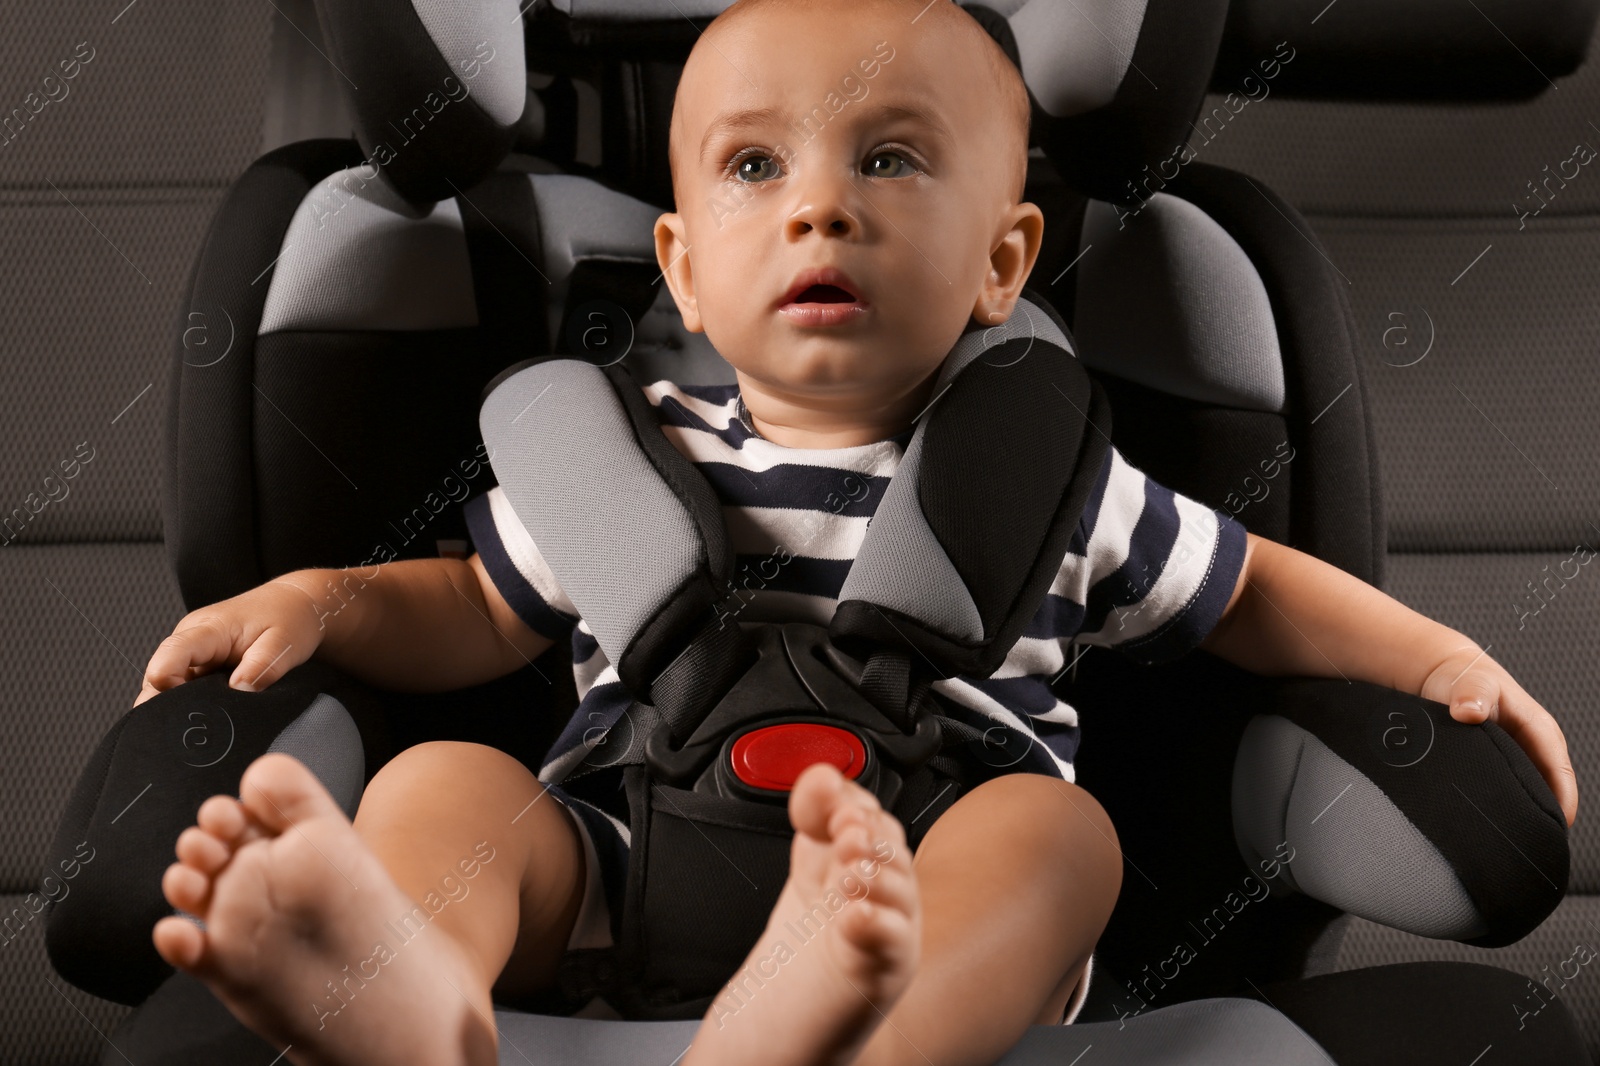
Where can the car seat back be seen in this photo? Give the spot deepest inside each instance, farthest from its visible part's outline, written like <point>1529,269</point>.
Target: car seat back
<point>1239,380</point>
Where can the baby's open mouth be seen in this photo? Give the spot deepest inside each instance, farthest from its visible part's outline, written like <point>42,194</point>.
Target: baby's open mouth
<point>824,294</point>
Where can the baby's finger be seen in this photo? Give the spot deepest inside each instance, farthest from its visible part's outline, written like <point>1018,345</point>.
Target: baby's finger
<point>202,645</point>
<point>268,659</point>
<point>1474,696</point>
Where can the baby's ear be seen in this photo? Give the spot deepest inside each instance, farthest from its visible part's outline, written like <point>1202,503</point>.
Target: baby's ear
<point>671,255</point>
<point>1010,262</point>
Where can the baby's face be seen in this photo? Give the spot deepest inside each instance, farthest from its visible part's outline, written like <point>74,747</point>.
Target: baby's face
<point>842,138</point>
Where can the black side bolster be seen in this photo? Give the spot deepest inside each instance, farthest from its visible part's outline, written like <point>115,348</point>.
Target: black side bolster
<point>1382,804</point>
<point>145,782</point>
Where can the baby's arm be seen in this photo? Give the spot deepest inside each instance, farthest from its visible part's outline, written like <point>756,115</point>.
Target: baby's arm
<point>421,625</point>
<point>1293,614</point>
<point>415,625</point>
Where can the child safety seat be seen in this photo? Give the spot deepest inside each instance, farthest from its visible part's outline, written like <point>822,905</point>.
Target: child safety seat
<point>412,265</point>
<point>728,712</point>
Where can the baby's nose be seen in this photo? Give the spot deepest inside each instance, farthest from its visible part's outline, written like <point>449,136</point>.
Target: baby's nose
<point>828,216</point>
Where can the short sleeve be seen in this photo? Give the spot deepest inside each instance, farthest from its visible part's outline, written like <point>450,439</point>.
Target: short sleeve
<point>514,564</point>
<point>1150,570</point>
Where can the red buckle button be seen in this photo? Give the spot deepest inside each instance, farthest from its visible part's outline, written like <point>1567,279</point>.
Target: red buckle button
<point>773,756</point>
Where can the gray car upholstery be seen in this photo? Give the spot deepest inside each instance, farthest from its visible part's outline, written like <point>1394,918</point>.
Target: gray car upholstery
<point>109,174</point>
<point>1206,1032</point>
<point>1473,274</point>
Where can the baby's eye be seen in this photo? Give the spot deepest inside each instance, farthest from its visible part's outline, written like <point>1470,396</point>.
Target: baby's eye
<point>755,168</point>
<point>898,165</point>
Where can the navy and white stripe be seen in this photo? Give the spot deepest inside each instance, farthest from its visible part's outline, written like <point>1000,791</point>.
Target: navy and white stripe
<point>1148,572</point>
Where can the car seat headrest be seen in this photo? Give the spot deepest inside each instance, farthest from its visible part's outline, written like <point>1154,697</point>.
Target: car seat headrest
<point>1408,49</point>
<point>440,90</point>
<point>437,88</point>
<point>1172,302</point>
<point>1114,82</point>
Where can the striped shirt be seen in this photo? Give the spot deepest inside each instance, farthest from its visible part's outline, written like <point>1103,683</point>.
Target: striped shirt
<point>1148,572</point>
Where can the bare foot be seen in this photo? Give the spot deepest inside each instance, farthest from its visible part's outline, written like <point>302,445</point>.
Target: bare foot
<point>841,946</point>
<point>307,939</point>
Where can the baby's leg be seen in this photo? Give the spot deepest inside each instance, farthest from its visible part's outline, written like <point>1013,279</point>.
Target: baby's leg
<point>377,942</point>
<point>992,923</point>
<point>441,803</point>
<point>841,944</point>
<point>1018,879</point>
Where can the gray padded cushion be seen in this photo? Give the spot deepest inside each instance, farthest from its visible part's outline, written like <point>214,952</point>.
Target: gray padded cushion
<point>579,435</point>
<point>580,219</point>
<point>1168,299</point>
<point>357,256</point>
<point>1352,847</point>
<point>662,348</point>
<point>1201,1032</point>
<point>326,739</point>
<point>900,563</point>
<point>457,29</point>
<point>1074,54</point>
<point>548,452</point>
<point>350,217</point>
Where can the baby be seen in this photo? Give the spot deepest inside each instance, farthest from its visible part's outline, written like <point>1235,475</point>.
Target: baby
<point>835,287</point>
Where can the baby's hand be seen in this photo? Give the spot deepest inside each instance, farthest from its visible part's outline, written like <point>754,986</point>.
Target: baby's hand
<point>268,631</point>
<point>1478,688</point>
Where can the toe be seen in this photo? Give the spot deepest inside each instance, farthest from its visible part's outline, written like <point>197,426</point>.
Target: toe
<point>202,851</point>
<point>890,938</point>
<point>280,791</point>
<point>852,819</point>
<point>180,942</point>
<point>816,793</point>
<point>224,818</point>
<point>858,825</point>
<point>885,886</point>
<point>186,888</point>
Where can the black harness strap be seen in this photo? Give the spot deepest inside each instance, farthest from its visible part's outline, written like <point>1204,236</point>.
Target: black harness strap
<point>505,247</point>
<point>684,693</point>
<point>1008,456</point>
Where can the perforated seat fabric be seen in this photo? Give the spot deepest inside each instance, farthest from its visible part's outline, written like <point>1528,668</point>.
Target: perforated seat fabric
<point>108,178</point>
<point>1480,329</point>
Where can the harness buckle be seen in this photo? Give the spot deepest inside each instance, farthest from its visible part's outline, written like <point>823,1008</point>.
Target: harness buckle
<point>798,702</point>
